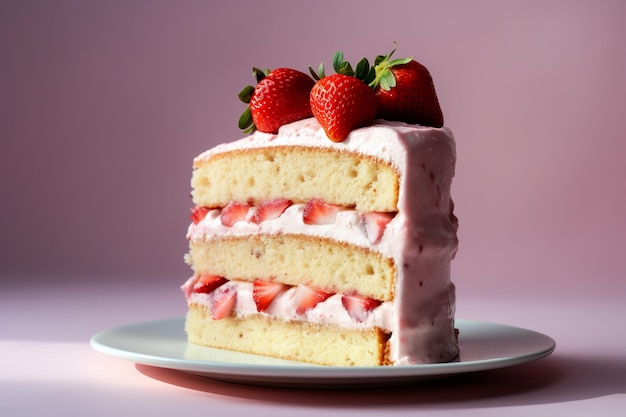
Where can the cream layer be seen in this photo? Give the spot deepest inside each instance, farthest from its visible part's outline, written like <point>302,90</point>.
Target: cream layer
<point>348,227</point>
<point>329,311</point>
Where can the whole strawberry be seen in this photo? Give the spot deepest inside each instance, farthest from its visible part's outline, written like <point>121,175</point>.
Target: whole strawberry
<point>405,91</point>
<point>280,97</point>
<point>342,103</point>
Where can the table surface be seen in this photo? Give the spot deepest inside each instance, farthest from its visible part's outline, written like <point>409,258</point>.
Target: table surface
<point>47,366</point>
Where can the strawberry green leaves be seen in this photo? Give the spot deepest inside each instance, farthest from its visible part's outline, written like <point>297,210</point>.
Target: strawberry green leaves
<point>246,124</point>
<point>382,69</point>
<point>364,71</point>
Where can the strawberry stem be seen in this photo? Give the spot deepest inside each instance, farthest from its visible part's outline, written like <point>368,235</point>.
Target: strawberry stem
<point>364,71</point>
<point>319,74</point>
<point>259,74</point>
<point>341,66</point>
<point>382,65</point>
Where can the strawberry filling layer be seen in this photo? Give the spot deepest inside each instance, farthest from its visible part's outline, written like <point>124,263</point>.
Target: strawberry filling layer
<point>316,218</point>
<point>300,303</point>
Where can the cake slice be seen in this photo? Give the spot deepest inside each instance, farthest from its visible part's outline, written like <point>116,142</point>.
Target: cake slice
<point>335,253</point>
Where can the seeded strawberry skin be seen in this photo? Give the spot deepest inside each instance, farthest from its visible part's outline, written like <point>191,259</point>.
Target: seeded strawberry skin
<point>413,99</point>
<point>280,98</point>
<point>342,103</point>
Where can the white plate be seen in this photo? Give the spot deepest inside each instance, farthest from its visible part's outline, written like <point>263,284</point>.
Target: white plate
<point>163,343</point>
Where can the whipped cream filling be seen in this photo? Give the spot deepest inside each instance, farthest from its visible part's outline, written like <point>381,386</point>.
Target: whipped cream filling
<point>348,227</point>
<point>329,311</point>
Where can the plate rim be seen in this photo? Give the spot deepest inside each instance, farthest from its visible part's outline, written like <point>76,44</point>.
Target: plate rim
<point>305,373</point>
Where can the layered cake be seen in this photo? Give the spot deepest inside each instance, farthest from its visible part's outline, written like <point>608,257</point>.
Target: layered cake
<point>334,251</point>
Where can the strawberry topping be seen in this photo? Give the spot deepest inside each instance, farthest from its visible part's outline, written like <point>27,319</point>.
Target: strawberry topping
<point>405,91</point>
<point>342,103</point>
<point>392,88</point>
<point>281,96</point>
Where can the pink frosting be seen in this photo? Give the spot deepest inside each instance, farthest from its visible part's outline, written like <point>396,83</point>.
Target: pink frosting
<point>421,238</point>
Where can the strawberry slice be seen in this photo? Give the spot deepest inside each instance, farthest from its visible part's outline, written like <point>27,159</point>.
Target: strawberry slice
<point>224,302</point>
<point>207,283</point>
<point>375,224</point>
<point>198,213</point>
<point>307,297</point>
<point>358,306</point>
<point>264,293</point>
<point>270,209</point>
<point>317,211</point>
<point>233,213</point>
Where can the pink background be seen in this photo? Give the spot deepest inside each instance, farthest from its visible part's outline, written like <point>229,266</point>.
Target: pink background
<point>104,104</point>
